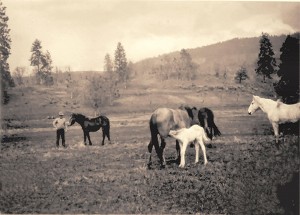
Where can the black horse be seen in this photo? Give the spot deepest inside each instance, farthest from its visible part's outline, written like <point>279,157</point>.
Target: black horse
<point>206,119</point>
<point>91,125</point>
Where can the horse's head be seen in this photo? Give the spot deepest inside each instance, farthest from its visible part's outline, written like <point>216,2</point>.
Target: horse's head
<point>192,112</point>
<point>72,119</point>
<point>253,106</point>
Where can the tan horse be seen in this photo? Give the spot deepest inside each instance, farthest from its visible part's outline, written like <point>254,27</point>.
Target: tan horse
<point>162,121</point>
<point>276,111</point>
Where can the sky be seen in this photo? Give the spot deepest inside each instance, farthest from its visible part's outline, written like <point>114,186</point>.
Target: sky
<point>79,33</point>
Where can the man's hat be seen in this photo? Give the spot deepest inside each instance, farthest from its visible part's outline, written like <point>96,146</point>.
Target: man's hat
<point>60,113</point>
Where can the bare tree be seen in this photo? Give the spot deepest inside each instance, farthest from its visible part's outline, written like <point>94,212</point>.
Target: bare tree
<point>18,75</point>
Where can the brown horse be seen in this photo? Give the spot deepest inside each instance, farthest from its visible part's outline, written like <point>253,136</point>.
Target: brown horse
<point>162,121</point>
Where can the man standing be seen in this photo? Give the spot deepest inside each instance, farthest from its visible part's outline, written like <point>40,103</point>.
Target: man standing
<point>60,125</point>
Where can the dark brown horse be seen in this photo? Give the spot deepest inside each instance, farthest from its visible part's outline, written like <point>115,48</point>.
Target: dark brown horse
<point>162,121</point>
<point>206,119</point>
<point>91,125</point>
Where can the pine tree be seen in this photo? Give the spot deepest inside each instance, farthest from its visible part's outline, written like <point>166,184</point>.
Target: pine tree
<point>36,59</point>
<point>42,62</point>
<point>121,64</point>
<point>288,85</point>
<point>266,63</point>
<point>47,69</point>
<point>5,41</point>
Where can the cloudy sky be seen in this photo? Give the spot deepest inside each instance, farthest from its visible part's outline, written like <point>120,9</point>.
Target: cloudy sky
<point>79,33</point>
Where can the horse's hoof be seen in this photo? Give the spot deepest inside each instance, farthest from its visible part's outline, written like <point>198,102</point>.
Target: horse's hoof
<point>162,166</point>
<point>209,145</point>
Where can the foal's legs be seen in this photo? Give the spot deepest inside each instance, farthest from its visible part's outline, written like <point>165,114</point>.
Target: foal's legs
<point>276,132</point>
<point>183,146</point>
<point>203,150</point>
<point>197,151</point>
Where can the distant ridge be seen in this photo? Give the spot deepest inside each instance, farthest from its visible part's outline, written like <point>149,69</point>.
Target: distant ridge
<point>228,55</point>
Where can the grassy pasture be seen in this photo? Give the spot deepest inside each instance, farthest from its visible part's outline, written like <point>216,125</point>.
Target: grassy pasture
<point>244,172</point>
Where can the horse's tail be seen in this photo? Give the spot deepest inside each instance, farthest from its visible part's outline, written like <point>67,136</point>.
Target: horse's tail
<point>217,132</point>
<point>106,126</point>
<point>205,138</point>
<point>154,133</point>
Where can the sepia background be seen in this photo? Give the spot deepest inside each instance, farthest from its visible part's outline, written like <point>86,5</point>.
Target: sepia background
<point>124,59</point>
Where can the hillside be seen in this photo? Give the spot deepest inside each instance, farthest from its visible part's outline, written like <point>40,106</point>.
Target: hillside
<point>228,55</point>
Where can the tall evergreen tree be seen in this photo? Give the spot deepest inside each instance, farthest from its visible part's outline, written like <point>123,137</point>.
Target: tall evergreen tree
<point>47,69</point>
<point>121,64</point>
<point>42,63</point>
<point>5,41</point>
<point>36,59</point>
<point>288,85</point>
<point>266,63</point>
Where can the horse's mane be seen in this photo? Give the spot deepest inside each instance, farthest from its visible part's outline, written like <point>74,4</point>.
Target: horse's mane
<point>87,117</point>
<point>80,115</point>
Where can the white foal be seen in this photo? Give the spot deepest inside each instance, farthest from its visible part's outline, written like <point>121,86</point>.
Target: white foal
<point>187,135</point>
<point>276,111</point>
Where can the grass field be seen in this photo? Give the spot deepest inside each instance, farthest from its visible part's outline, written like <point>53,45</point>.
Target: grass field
<point>245,173</point>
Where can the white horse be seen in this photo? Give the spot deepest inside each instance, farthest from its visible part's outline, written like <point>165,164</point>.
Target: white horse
<point>187,135</point>
<point>276,111</point>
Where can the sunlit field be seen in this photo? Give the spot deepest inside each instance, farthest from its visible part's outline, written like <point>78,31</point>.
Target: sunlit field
<point>244,175</point>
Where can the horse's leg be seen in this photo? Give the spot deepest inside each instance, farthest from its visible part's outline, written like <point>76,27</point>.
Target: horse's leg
<point>84,137</point>
<point>103,136</point>
<point>178,151</point>
<point>203,150</point>
<point>197,151</point>
<point>88,136</point>
<point>150,146</point>
<point>276,132</point>
<point>207,128</point>
<point>107,134</point>
<point>212,133</point>
<point>183,146</point>
<point>162,156</point>
<point>153,142</point>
